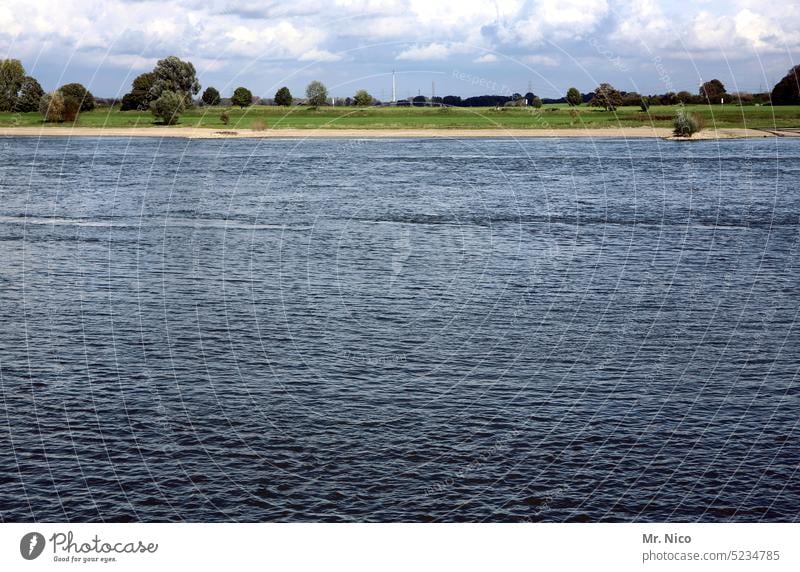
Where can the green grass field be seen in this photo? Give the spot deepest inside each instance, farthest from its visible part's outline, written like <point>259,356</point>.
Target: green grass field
<point>549,116</point>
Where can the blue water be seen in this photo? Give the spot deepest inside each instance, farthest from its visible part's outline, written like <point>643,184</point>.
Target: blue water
<point>417,330</point>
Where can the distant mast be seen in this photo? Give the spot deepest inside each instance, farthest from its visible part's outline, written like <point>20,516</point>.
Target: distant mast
<point>394,89</point>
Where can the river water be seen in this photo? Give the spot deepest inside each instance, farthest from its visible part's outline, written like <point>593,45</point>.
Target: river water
<point>399,330</point>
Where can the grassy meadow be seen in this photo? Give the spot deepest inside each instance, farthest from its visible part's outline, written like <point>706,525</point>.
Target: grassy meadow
<point>550,116</point>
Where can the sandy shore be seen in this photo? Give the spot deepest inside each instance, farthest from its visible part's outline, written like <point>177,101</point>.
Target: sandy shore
<point>207,133</point>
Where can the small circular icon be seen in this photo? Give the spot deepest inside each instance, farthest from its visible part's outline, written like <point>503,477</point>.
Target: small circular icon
<point>31,545</point>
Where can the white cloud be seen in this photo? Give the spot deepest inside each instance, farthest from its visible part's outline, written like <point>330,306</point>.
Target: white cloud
<point>540,60</point>
<point>319,56</point>
<point>435,51</point>
<point>232,34</point>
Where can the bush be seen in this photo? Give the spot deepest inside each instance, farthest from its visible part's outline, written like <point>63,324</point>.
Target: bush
<point>72,107</point>
<point>242,97</point>
<point>168,107</point>
<point>258,125</point>
<point>51,106</point>
<point>687,124</point>
<point>644,104</point>
<point>537,102</point>
<point>225,117</point>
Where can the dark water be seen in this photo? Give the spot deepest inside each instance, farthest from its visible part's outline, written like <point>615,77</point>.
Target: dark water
<point>545,330</point>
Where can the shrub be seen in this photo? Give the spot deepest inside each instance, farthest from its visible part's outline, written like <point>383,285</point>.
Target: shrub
<point>51,106</point>
<point>644,104</point>
<point>537,102</point>
<point>72,107</point>
<point>258,125</point>
<point>687,124</point>
<point>242,97</point>
<point>225,117</point>
<point>168,107</point>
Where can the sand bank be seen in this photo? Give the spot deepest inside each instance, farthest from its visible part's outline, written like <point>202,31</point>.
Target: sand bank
<point>207,133</point>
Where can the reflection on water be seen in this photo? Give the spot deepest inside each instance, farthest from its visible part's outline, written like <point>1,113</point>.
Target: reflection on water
<point>399,330</point>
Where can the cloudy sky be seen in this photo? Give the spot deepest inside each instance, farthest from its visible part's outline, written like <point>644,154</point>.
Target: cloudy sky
<point>467,47</point>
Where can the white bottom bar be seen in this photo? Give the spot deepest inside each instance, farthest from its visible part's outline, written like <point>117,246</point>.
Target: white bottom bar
<point>389,547</point>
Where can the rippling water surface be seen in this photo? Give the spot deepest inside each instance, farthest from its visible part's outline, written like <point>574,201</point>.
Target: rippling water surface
<point>545,330</point>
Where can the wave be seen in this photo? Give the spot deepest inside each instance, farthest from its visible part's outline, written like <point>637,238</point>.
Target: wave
<point>786,220</point>
<point>145,222</point>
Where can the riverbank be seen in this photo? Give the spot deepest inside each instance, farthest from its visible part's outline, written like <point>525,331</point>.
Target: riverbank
<point>208,133</point>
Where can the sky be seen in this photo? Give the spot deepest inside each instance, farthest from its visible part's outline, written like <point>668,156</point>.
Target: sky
<point>461,47</point>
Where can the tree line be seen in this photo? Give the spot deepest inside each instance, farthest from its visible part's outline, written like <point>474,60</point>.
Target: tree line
<point>171,87</point>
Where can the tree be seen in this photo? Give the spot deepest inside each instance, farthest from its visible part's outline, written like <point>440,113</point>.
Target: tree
<point>574,97</point>
<point>362,98</point>
<point>537,102</point>
<point>175,75</point>
<point>139,96</point>
<point>169,106</point>
<point>242,97</point>
<point>79,93</point>
<point>11,76</point>
<point>529,98</point>
<point>419,101</point>
<point>452,100</point>
<point>712,91</point>
<point>316,93</point>
<point>787,91</point>
<point>607,97</point>
<point>683,97</point>
<point>283,96</point>
<point>51,106</point>
<point>29,95</point>
<point>211,96</point>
